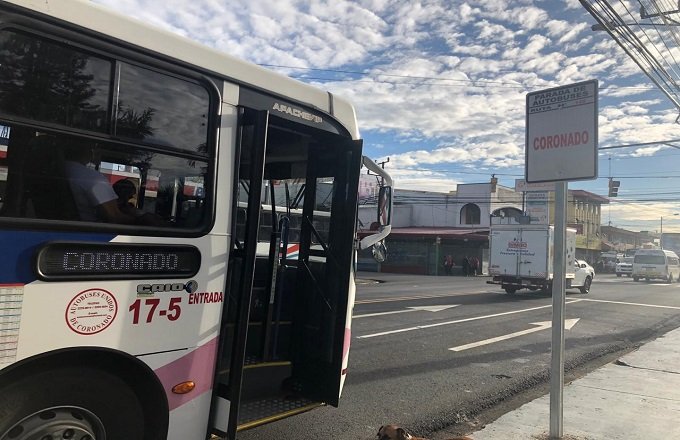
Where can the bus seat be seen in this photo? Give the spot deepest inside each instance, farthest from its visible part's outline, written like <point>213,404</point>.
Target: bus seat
<point>45,181</point>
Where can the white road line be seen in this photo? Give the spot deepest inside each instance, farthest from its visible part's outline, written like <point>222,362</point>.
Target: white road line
<point>543,325</point>
<point>631,304</point>
<point>408,309</point>
<point>408,298</point>
<point>458,321</point>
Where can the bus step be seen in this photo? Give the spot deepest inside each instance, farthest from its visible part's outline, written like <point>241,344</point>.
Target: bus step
<point>257,362</point>
<point>258,412</point>
<point>264,379</point>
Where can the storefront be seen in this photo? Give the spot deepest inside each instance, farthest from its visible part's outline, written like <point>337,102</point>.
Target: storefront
<point>422,251</point>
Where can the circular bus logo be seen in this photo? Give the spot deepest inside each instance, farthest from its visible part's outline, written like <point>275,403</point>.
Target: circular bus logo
<point>91,311</point>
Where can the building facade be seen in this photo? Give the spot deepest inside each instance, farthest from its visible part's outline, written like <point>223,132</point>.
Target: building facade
<point>427,226</point>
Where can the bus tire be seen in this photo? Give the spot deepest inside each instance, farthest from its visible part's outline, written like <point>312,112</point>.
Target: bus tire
<point>635,278</point>
<point>510,290</point>
<point>585,288</point>
<point>82,400</point>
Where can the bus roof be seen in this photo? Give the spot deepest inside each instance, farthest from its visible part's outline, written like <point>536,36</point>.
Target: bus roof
<point>105,21</point>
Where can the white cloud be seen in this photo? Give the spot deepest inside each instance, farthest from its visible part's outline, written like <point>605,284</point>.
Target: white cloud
<point>407,178</point>
<point>447,73</point>
<point>645,216</point>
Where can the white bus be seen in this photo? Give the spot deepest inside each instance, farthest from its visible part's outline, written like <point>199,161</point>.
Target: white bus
<point>150,314</point>
<point>656,264</point>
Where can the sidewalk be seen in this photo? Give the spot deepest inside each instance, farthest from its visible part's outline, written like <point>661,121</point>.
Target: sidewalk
<point>635,397</point>
<point>366,277</point>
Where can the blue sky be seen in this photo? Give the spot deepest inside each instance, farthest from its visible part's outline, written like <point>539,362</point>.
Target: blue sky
<point>440,85</point>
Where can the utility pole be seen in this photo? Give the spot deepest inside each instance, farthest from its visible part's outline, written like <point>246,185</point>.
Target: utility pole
<point>609,207</point>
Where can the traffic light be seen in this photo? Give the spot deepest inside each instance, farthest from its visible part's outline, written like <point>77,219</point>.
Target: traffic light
<point>614,187</point>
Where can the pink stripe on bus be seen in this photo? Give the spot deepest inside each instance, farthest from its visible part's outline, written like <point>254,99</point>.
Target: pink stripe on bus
<point>197,366</point>
<point>346,342</point>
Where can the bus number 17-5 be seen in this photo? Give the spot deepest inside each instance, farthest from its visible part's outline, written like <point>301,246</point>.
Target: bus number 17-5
<point>172,313</point>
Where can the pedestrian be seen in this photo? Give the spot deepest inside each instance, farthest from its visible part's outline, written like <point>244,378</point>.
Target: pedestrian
<point>448,264</point>
<point>466,266</point>
<point>475,266</point>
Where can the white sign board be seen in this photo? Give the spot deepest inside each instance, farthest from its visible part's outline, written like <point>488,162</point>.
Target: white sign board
<point>537,207</point>
<point>522,186</point>
<point>561,133</point>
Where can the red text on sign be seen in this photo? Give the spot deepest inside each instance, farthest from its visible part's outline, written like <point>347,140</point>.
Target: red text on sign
<point>561,140</point>
<point>205,297</point>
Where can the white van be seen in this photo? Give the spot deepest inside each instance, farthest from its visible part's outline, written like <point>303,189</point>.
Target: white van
<point>656,264</point>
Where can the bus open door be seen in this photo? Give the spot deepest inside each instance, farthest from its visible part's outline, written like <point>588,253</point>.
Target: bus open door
<point>286,333</point>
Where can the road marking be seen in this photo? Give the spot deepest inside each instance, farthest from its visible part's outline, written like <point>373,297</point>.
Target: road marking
<point>458,321</point>
<point>408,309</point>
<point>543,325</point>
<point>407,298</point>
<point>631,304</point>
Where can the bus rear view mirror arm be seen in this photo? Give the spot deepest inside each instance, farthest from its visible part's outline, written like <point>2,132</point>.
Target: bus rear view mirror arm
<point>385,205</point>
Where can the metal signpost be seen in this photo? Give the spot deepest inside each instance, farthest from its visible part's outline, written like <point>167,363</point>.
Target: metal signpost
<point>561,145</point>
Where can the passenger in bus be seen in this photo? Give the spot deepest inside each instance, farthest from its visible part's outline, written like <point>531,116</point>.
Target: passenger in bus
<point>92,193</point>
<point>126,191</point>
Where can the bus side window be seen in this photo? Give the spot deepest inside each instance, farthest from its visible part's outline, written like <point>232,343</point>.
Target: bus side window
<point>46,180</point>
<point>33,182</point>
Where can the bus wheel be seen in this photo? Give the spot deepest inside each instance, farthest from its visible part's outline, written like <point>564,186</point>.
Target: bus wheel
<point>510,290</point>
<point>77,403</point>
<point>635,278</point>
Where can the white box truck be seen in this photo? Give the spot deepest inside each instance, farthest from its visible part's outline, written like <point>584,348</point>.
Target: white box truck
<point>521,257</point>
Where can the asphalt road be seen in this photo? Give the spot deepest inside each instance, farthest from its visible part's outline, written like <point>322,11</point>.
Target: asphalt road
<point>402,369</point>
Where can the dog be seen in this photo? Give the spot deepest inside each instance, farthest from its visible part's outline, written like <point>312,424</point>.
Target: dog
<point>394,432</point>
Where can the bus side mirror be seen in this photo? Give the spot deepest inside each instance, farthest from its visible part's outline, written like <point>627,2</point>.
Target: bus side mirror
<point>385,206</point>
<point>383,226</point>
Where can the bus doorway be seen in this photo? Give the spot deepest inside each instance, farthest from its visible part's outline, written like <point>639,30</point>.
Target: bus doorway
<point>289,282</point>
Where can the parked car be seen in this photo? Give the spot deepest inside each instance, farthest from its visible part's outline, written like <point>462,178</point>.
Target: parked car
<point>583,275</point>
<point>624,267</point>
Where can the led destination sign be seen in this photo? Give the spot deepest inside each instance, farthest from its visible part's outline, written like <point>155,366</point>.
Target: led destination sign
<point>69,261</point>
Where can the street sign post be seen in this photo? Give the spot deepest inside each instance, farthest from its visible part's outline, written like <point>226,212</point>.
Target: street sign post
<point>561,145</point>
<point>561,133</point>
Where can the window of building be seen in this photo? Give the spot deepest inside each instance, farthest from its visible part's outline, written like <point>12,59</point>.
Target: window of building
<point>470,214</point>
